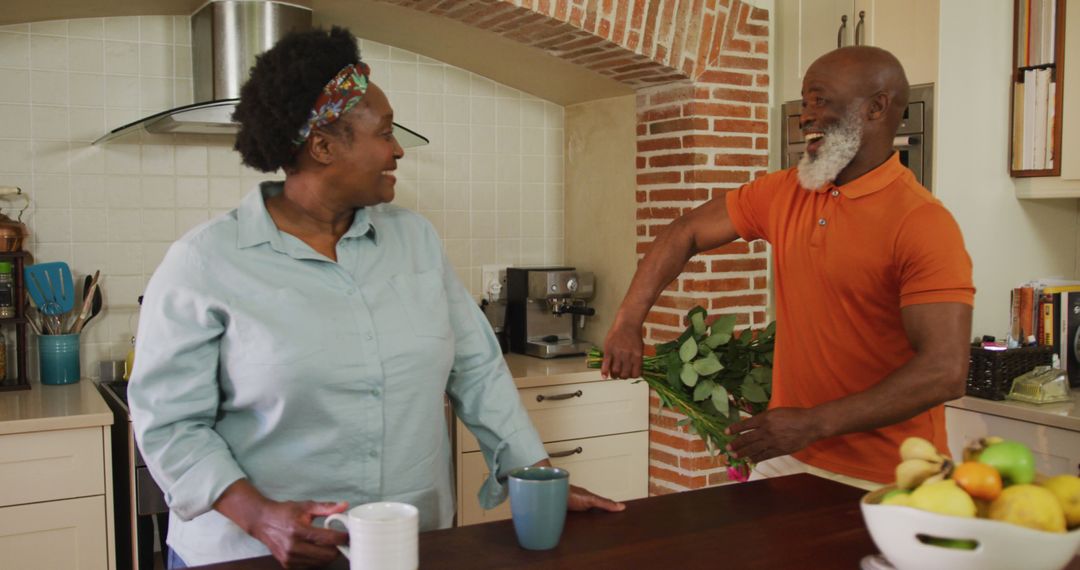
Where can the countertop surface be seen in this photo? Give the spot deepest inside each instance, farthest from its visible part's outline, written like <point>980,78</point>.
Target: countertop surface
<point>43,408</point>
<point>531,372</point>
<point>800,521</point>
<point>1064,415</point>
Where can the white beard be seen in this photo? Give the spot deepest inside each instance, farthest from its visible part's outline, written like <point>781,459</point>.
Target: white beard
<point>839,146</point>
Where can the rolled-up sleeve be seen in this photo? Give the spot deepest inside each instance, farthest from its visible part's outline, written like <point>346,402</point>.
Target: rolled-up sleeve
<point>484,395</point>
<point>174,394</point>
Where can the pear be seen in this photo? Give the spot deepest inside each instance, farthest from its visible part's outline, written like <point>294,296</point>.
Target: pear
<point>944,497</point>
<point>918,448</point>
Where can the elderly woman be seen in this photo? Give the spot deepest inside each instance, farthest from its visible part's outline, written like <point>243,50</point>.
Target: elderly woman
<point>293,354</point>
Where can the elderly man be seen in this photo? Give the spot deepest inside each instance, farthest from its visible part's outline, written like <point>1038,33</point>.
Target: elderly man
<point>873,285</point>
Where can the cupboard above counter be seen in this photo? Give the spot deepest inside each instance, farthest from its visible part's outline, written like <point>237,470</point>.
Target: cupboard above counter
<point>807,29</point>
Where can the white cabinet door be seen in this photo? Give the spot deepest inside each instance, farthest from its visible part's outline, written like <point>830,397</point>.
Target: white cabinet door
<point>908,29</point>
<point>1057,451</point>
<point>66,534</point>
<point>614,466</point>
<point>807,29</point>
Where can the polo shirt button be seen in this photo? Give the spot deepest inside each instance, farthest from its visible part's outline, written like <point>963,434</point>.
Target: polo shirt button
<point>373,453</point>
<point>375,392</point>
<point>835,193</point>
<point>821,222</point>
<point>369,336</point>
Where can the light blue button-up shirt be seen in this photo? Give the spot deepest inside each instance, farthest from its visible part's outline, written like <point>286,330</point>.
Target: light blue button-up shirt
<point>259,358</point>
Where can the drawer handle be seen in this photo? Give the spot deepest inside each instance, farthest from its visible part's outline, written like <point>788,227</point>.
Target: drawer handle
<point>567,453</point>
<point>541,397</point>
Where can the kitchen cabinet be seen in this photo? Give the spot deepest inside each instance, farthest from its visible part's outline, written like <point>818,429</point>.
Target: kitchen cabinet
<point>1052,431</point>
<point>807,29</point>
<point>596,429</point>
<point>55,479</point>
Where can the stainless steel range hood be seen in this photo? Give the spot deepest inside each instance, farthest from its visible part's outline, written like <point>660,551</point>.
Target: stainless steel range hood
<point>226,35</point>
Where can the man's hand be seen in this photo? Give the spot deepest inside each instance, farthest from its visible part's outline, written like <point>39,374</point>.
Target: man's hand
<point>582,500</point>
<point>772,433</point>
<point>286,529</point>
<point>622,352</point>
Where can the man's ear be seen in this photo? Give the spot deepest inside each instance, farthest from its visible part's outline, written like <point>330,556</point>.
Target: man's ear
<point>320,147</point>
<point>879,106</point>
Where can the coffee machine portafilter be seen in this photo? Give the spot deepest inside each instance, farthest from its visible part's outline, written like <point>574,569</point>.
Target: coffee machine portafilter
<point>544,305</point>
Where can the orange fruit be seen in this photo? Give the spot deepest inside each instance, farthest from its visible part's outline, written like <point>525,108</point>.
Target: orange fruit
<point>980,480</point>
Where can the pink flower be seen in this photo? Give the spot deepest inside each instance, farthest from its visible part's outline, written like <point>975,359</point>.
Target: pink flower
<point>738,473</point>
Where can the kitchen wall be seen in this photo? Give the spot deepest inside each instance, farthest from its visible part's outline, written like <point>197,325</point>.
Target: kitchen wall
<point>1009,240</point>
<point>490,182</point>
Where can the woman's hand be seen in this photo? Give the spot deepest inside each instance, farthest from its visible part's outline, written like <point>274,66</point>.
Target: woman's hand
<point>284,527</point>
<point>581,499</point>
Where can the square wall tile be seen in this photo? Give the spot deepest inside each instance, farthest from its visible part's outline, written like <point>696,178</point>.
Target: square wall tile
<point>93,28</point>
<point>86,56</point>
<point>48,52</point>
<point>14,50</point>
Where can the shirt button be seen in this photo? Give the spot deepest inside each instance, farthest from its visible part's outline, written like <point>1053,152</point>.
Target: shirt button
<point>373,454</point>
<point>835,193</point>
<point>821,222</point>
<point>375,392</point>
<point>369,336</point>
<point>351,292</point>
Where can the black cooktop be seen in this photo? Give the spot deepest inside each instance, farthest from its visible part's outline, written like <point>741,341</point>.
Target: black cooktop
<point>117,388</point>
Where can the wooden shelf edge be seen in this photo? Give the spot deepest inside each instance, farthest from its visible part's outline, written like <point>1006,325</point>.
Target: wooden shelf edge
<point>1046,188</point>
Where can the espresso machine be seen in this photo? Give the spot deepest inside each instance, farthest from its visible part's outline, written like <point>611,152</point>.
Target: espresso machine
<point>544,308</point>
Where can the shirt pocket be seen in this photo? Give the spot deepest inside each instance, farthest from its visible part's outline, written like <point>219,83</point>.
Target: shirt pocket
<point>423,296</point>
<point>284,326</point>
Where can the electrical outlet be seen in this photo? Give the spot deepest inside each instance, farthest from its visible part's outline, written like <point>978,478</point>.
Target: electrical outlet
<point>493,281</point>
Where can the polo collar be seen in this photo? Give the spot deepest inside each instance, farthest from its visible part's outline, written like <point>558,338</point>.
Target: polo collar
<point>257,227</point>
<point>874,180</point>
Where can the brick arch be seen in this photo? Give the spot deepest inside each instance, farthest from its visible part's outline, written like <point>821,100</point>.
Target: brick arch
<point>700,71</point>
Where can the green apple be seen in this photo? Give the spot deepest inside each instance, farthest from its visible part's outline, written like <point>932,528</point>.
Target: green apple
<point>1012,459</point>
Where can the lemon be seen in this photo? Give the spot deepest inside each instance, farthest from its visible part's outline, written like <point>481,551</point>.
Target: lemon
<point>1067,490</point>
<point>1031,506</point>
<point>943,497</point>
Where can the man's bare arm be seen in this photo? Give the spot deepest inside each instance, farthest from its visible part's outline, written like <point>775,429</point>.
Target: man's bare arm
<point>706,227</point>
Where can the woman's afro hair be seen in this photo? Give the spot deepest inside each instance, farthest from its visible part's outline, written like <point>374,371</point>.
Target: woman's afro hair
<point>278,97</point>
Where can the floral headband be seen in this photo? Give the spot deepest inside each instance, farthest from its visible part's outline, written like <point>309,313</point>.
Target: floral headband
<point>342,93</point>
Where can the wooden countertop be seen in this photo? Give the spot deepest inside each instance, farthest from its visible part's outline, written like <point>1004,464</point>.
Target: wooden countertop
<point>800,521</point>
<point>1064,415</point>
<point>43,408</point>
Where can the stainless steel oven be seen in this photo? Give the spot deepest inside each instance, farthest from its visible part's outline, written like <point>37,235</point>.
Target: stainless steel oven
<point>914,138</point>
<point>138,503</point>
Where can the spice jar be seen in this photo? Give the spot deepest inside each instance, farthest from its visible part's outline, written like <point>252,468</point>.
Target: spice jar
<point>7,291</point>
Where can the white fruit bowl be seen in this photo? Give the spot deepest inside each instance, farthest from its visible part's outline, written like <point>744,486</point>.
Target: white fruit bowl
<point>1001,545</point>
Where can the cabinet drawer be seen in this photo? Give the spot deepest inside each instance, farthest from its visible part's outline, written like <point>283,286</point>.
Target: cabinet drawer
<point>614,466</point>
<point>49,465</point>
<point>58,534</point>
<point>574,411</point>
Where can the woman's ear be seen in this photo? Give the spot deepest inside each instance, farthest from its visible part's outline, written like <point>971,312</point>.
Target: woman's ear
<point>320,147</point>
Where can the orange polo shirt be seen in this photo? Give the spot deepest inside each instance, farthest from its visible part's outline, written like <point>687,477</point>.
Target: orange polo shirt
<point>846,260</point>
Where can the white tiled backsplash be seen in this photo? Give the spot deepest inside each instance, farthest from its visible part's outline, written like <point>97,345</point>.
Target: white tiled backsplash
<point>490,181</point>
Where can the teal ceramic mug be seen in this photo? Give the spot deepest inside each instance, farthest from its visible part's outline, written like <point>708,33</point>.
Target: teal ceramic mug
<point>538,504</point>
<point>58,358</point>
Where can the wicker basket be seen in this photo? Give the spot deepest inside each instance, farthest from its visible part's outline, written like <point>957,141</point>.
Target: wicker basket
<point>992,371</point>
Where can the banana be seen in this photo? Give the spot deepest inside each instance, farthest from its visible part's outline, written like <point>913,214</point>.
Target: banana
<point>918,448</point>
<point>945,472</point>
<point>910,473</point>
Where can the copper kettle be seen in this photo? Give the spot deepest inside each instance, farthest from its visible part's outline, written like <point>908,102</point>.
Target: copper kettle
<point>12,232</point>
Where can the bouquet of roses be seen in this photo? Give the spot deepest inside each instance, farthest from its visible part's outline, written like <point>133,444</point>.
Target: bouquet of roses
<point>711,376</point>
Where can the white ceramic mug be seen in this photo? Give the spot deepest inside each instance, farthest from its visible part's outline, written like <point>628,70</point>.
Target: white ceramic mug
<point>382,536</point>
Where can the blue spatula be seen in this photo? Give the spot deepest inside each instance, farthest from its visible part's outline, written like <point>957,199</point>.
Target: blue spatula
<point>51,287</point>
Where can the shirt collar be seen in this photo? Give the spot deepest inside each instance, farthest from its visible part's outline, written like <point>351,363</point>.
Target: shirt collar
<point>874,180</point>
<point>257,227</point>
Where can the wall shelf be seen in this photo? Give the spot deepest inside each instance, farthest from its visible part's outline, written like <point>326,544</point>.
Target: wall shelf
<point>1037,90</point>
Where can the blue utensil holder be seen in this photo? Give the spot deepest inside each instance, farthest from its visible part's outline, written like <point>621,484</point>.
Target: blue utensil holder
<point>58,358</point>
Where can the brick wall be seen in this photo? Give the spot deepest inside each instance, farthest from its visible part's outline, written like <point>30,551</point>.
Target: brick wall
<point>700,69</point>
